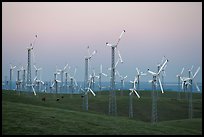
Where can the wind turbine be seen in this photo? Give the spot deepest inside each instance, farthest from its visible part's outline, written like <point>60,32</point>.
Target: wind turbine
<point>11,75</point>
<point>18,81</point>
<point>130,96</point>
<point>100,75</point>
<point>37,81</point>
<point>62,75</point>
<point>86,91</point>
<point>86,84</point>
<point>188,81</point>
<point>122,82</point>
<point>139,74</point>
<point>55,83</point>
<point>93,76</point>
<point>154,96</point>
<point>179,83</point>
<point>72,82</point>
<point>23,78</point>
<point>29,81</point>
<point>112,97</point>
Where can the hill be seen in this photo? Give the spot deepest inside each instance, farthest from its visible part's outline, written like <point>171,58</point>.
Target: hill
<point>28,114</point>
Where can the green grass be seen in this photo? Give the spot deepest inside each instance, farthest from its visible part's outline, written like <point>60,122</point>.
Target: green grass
<point>27,114</point>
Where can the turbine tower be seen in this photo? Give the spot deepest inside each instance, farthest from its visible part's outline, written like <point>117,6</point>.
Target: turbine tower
<point>139,74</point>
<point>11,75</point>
<point>154,117</point>
<point>86,84</point>
<point>72,82</point>
<point>112,96</point>
<point>130,96</point>
<point>122,82</point>
<point>179,84</point>
<point>29,81</point>
<point>187,82</point>
<point>62,75</point>
<point>100,75</point>
<point>18,81</point>
<point>23,79</point>
<point>85,93</point>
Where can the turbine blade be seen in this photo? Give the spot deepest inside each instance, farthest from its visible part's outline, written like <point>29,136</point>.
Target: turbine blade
<point>101,68</point>
<point>196,72</point>
<point>104,74</point>
<point>182,71</point>
<point>162,66</point>
<point>120,57</point>
<point>65,67</point>
<point>198,89</point>
<point>116,63</point>
<point>35,67</point>
<point>161,85</point>
<point>136,93</point>
<point>120,37</point>
<point>137,71</point>
<point>33,90</point>
<point>92,92</point>
<point>153,73</point>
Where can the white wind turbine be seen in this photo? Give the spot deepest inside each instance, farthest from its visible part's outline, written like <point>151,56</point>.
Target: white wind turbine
<point>93,76</point>
<point>122,82</point>
<point>73,82</point>
<point>179,83</point>
<point>37,81</point>
<point>29,81</point>
<point>62,76</point>
<point>154,96</point>
<point>86,84</point>
<point>100,75</point>
<point>133,90</point>
<point>23,78</point>
<point>112,98</point>
<point>86,91</point>
<point>139,74</point>
<point>18,81</point>
<point>11,75</point>
<point>188,82</point>
<point>55,82</point>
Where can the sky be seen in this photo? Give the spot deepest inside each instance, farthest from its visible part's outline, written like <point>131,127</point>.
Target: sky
<point>65,29</point>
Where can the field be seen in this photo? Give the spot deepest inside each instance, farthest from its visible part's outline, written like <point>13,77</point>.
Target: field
<point>26,114</point>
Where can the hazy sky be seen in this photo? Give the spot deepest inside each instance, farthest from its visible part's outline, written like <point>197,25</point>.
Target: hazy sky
<point>65,30</point>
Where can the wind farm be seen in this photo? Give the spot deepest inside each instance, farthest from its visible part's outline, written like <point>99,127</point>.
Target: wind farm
<point>74,77</point>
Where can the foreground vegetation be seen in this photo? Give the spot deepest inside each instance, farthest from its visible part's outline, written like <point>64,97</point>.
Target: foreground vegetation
<point>28,114</point>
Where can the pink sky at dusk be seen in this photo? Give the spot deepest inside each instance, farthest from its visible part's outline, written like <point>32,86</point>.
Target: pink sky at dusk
<point>65,30</point>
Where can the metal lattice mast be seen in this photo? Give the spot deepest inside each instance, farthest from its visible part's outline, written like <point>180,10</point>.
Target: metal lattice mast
<point>66,82</point>
<point>138,85</point>
<point>130,106</point>
<point>18,80</point>
<point>72,86</point>
<point>179,89</point>
<point>10,82</point>
<point>121,91</point>
<point>158,68</point>
<point>85,99</point>
<point>190,109</point>
<point>24,80</point>
<point>55,80</point>
<point>5,81</point>
<point>100,82</point>
<point>29,81</point>
<point>11,76</point>
<point>112,97</point>
<point>154,117</point>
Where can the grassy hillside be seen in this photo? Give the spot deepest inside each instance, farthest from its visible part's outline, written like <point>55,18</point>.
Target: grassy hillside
<point>28,114</point>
